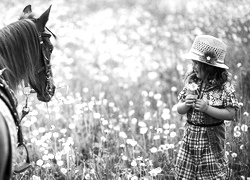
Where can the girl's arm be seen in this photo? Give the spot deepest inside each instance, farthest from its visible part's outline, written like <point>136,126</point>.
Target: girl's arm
<point>183,107</point>
<point>227,113</point>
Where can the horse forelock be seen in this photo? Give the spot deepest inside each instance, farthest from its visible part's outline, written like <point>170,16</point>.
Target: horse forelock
<point>20,48</point>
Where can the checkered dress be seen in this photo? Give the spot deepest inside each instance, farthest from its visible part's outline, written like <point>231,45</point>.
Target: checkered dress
<point>195,159</point>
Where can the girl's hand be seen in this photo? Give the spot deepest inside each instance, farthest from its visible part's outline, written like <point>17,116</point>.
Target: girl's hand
<point>190,99</point>
<point>201,105</point>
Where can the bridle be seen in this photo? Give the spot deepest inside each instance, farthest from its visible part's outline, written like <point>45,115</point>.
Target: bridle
<point>47,66</point>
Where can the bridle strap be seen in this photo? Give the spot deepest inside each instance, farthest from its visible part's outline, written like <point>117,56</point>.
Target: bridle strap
<point>51,32</point>
<point>47,65</point>
<point>43,68</point>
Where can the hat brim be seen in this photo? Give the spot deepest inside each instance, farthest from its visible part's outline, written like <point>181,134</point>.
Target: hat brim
<point>195,57</point>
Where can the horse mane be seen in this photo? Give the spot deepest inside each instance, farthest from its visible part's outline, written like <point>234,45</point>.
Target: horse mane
<point>19,50</point>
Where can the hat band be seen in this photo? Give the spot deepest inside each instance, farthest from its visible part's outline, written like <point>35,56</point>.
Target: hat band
<point>202,57</point>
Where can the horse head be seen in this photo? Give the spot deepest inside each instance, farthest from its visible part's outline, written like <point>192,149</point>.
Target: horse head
<point>43,83</point>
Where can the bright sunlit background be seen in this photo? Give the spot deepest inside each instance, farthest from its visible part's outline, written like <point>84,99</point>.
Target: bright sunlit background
<point>118,70</point>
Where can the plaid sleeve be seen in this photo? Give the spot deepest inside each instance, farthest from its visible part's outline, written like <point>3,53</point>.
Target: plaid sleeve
<point>229,99</point>
<point>182,94</point>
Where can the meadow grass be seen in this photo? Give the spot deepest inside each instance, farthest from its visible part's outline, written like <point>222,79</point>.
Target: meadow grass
<point>72,138</point>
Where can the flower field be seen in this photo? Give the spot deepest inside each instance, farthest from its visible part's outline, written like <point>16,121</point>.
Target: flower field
<point>118,70</point>
<point>75,137</point>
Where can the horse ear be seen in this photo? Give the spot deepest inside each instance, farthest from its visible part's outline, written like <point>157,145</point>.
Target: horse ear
<point>44,17</point>
<point>27,10</point>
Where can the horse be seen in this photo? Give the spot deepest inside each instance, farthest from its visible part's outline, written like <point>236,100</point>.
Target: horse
<point>25,53</point>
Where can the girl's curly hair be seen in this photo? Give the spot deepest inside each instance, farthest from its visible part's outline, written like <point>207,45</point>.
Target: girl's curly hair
<point>214,76</point>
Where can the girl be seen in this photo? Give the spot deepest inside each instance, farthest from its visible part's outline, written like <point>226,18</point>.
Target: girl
<point>202,153</point>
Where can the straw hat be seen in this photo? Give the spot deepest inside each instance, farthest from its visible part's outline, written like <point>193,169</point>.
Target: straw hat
<point>209,50</point>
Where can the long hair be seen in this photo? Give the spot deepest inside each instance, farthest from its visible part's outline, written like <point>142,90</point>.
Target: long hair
<point>19,50</point>
<point>214,76</point>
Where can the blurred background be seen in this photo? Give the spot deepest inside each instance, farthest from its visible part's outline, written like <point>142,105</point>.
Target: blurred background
<point>120,60</point>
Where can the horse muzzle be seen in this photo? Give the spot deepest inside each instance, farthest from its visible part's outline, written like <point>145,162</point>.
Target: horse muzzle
<point>47,96</point>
